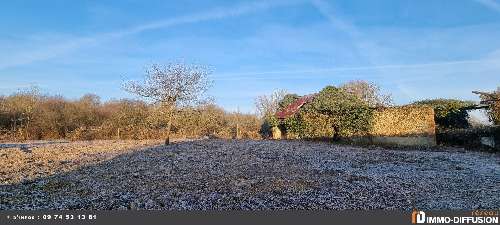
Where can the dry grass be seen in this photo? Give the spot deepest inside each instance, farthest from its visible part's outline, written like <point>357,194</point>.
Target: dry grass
<point>45,160</point>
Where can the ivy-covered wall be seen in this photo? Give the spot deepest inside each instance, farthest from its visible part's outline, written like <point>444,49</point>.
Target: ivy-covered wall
<point>405,125</point>
<point>340,115</point>
<point>404,121</point>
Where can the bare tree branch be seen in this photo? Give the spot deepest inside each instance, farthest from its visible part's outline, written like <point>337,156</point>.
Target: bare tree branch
<point>171,85</point>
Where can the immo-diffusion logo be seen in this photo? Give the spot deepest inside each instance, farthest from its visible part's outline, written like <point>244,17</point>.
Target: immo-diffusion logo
<point>417,217</point>
<point>477,217</point>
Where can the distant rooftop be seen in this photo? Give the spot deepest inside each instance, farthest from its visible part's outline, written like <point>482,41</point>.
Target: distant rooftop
<point>295,106</point>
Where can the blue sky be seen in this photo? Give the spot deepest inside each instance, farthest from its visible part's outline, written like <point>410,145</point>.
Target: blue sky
<point>412,49</point>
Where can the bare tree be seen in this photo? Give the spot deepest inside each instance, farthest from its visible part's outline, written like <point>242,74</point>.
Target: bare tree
<point>172,85</point>
<point>368,92</point>
<point>268,104</point>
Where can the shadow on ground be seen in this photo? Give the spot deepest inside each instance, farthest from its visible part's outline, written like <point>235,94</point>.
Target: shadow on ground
<point>248,175</point>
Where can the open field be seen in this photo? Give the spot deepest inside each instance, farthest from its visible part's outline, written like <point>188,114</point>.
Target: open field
<point>245,174</point>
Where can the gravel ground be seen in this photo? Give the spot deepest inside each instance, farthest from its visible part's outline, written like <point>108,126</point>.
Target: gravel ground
<point>245,174</point>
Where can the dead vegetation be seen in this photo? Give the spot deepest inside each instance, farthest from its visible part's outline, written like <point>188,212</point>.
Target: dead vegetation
<point>46,160</point>
<point>29,115</point>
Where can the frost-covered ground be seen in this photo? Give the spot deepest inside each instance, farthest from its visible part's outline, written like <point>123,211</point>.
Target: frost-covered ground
<point>245,174</point>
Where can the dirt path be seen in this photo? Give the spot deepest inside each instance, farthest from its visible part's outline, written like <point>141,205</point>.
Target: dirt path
<point>226,174</point>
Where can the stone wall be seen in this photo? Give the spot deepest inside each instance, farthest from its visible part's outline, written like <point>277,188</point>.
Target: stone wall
<point>405,125</point>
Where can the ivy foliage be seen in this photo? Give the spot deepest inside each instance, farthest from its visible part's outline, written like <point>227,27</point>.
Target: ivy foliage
<point>287,100</point>
<point>333,113</point>
<point>449,113</point>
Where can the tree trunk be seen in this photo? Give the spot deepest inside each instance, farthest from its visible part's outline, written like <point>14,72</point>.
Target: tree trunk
<point>237,136</point>
<point>336,135</point>
<point>14,127</point>
<point>167,132</point>
<point>170,107</point>
<point>65,131</point>
<point>26,134</point>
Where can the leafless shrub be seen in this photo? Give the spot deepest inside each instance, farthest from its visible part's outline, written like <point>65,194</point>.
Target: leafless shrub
<point>368,92</point>
<point>269,104</point>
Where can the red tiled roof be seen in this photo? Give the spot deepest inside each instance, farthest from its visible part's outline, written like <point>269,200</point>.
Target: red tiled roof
<point>295,106</point>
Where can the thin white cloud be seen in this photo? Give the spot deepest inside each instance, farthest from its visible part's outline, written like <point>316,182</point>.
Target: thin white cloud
<point>366,49</point>
<point>376,55</point>
<point>316,71</point>
<point>214,14</point>
<point>55,50</point>
<point>328,11</point>
<point>47,52</point>
<point>491,4</point>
